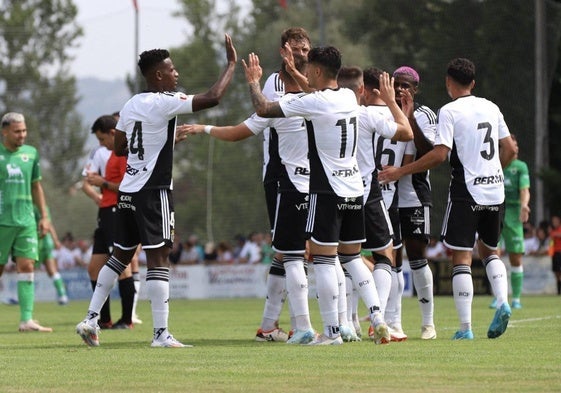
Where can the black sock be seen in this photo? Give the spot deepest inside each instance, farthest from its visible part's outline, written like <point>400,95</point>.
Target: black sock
<point>127,291</point>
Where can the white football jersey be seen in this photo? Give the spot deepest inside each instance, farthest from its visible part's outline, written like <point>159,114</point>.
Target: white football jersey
<point>149,121</point>
<point>273,90</point>
<point>97,161</point>
<point>415,190</point>
<point>472,127</point>
<point>332,125</point>
<point>292,148</point>
<point>374,121</point>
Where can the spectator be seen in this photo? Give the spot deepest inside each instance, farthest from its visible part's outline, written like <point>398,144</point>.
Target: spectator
<point>194,240</point>
<point>189,254</point>
<point>210,253</point>
<point>267,251</point>
<point>541,243</point>
<point>176,251</point>
<point>251,251</point>
<point>85,249</point>
<point>224,255</point>
<point>435,249</point>
<point>68,255</point>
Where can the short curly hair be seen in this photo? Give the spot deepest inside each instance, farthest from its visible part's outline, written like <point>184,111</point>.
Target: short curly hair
<point>151,58</point>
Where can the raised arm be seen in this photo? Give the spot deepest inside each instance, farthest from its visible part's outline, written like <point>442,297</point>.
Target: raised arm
<point>290,65</point>
<point>214,94</point>
<point>253,73</point>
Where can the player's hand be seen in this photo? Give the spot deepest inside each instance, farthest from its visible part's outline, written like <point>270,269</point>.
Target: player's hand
<point>194,129</point>
<point>231,54</point>
<point>288,58</point>
<point>253,71</point>
<point>44,227</point>
<point>407,105</point>
<point>181,133</point>
<point>386,91</point>
<point>524,214</point>
<point>388,174</point>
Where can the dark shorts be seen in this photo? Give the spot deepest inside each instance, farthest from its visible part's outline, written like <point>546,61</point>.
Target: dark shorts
<point>333,220</point>
<point>415,222</point>
<point>289,234</point>
<point>378,228</point>
<point>145,217</point>
<point>463,220</point>
<point>396,225</point>
<point>104,234</point>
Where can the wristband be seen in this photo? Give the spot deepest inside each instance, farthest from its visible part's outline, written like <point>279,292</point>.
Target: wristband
<point>207,129</point>
<point>105,185</point>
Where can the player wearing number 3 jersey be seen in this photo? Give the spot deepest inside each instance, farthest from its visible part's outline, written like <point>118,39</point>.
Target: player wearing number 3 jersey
<point>469,131</point>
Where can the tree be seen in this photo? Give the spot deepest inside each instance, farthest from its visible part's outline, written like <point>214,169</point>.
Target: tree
<point>36,36</point>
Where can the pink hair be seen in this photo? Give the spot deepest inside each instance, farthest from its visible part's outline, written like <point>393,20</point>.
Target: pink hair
<point>406,70</point>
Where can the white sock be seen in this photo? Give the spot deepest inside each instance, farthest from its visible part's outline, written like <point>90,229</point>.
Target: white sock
<point>106,280</point>
<point>297,292</point>
<point>462,285</point>
<point>328,292</point>
<point>273,301</point>
<point>423,281</point>
<point>157,287</point>
<point>363,282</point>
<point>342,300</point>
<point>497,276</point>
<point>349,297</point>
<point>393,308</point>
<point>382,275</point>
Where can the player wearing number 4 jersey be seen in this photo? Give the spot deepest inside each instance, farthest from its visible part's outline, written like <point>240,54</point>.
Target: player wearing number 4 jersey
<point>147,127</point>
<point>469,131</point>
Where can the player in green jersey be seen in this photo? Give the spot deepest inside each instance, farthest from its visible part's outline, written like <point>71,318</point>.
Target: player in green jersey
<point>517,198</point>
<point>20,189</point>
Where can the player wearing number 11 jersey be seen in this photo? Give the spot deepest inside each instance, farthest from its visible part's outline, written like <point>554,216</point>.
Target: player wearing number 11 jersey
<point>469,131</point>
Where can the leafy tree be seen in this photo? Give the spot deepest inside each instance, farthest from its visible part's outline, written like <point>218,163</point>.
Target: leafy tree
<point>35,38</point>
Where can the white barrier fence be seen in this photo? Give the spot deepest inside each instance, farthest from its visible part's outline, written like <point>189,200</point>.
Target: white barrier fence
<point>225,281</point>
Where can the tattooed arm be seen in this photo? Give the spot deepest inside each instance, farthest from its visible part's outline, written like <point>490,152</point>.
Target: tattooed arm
<point>253,73</point>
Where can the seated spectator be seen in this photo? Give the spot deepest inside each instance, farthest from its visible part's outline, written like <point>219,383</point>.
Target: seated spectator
<point>189,254</point>
<point>176,250</point>
<point>224,255</point>
<point>210,253</point>
<point>68,255</point>
<point>540,244</point>
<point>251,251</point>
<point>85,248</point>
<point>436,249</point>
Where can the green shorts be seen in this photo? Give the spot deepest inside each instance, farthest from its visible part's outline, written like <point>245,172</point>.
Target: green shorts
<point>513,231</point>
<point>46,248</point>
<point>18,242</point>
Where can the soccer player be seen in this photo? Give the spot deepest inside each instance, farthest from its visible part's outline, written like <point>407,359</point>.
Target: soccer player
<point>46,247</point>
<point>147,132</point>
<point>414,204</point>
<point>289,238</point>
<point>336,217</point>
<point>517,198</point>
<point>381,120</point>
<point>299,44</point>
<point>20,187</point>
<point>469,130</point>
<point>106,171</point>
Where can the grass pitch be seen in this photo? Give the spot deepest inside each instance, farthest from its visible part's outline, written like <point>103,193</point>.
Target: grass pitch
<point>527,358</point>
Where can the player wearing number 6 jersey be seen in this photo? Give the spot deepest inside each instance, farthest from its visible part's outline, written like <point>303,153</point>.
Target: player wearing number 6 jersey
<point>336,216</point>
<point>147,129</point>
<point>469,131</point>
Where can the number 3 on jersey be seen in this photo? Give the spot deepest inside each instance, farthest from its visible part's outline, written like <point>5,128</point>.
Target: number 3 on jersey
<point>135,146</point>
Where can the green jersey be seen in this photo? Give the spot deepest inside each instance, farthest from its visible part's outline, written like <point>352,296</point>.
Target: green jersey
<point>516,179</point>
<point>18,170</point>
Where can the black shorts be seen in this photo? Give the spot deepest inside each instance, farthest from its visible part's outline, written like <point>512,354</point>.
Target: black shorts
<point>415,222</point>
<point>463,220</point>
<point>104,234</point>
<point>145,217</point>
<point>271,190</point>
<point>289,233</point>
<point>396,224</point>
<point>378,228</point>
<point>333,220</point>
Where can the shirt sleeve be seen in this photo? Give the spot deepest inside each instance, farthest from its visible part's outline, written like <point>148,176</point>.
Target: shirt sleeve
<point>444,129</point>
<point>297,105</point>
<point>257,124</point>
<point>524,180</point>
<point>176,103</point>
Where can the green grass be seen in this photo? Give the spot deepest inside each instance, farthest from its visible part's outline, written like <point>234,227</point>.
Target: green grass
<point>226,359</point>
